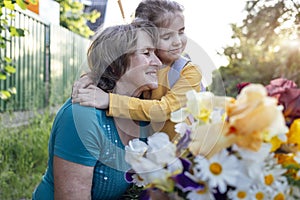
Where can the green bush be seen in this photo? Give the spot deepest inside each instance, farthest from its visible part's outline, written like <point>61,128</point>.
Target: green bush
<point>23,157</point>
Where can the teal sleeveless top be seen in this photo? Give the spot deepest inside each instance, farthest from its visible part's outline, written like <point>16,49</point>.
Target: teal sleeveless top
<point>86,136</point>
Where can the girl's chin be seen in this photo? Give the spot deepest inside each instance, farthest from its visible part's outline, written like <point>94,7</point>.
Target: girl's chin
<point>151,86</point>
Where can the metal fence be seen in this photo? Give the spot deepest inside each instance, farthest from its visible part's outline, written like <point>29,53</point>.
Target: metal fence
<point>48,60</point>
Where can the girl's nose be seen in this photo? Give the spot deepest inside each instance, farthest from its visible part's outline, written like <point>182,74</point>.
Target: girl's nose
<point>176,40</point>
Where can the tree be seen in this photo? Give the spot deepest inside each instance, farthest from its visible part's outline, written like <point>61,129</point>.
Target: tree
<point>266,45</point>
<point>7,67</point>
<point>73,18</point>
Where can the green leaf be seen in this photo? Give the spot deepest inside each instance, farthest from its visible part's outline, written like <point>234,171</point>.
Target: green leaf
<point>22,4</point>
<point>9,5</point>
<point>3,23</point>
<point>2,76</point>
<point>2,45</point>
<point>4,94</point>
<point>7,59</point>
<point>34,2</point>
<point>12,90</point>
<point>16,31</point>
<point>11,15</point>
<point>10,69</point>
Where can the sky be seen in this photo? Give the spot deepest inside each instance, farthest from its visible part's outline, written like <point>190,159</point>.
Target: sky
<point>207,28</point>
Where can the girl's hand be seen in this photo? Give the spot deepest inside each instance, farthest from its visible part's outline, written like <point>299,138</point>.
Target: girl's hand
<point>82,83</point>
<point>87,94</point>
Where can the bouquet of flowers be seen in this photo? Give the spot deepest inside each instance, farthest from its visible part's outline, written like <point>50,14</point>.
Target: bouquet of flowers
<point>229,149</point>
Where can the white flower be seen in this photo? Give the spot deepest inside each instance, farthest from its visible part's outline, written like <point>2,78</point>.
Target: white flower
<point>220,170</point>
<point>139,181</point>
<point>260,192</point>
<point>272,176</point>
<point>200,105</point>
<point>135,149</point>
<point>204,194</point>
<point>239,194</point>
<point>277,195</point>
<point>153,163</point>
<point>161,150</point>
<point>217,115</point>
<point>182,128</point>
<point>157,139</point>
<point>297,159</point>
<point>156,176</point>
<point>278,125</point>
<point>252,160</point>
<point>254,156</point>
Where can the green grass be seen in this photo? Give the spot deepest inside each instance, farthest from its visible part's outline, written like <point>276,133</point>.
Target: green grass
<point>23,157</point>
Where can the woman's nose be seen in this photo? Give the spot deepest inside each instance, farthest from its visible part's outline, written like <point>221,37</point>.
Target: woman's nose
<point>155,60</point>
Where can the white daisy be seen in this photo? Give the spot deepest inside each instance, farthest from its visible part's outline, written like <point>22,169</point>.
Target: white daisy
<point>278,195</point>
<point>203,194</point>
<point>297,157</point>
<point>259,192</point>
<point>239,194</point>
<point>274,178</point>
<point>220,170</point>
<point>252,161</point>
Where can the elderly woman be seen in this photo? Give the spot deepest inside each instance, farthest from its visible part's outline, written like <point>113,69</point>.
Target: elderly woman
<point>86,147</point>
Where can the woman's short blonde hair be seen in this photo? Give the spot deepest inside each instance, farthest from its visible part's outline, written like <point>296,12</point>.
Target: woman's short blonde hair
<point>109,52</point>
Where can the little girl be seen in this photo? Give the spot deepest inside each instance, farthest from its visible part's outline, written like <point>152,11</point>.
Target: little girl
<point>168,16</point>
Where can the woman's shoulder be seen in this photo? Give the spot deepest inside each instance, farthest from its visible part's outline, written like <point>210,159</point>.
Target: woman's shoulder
<point>80,116</point>
<point>70,109</point>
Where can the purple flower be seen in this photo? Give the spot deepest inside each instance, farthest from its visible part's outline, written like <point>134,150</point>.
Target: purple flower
<point>184,141</point>
<point>128,176</point>
<point>183,182</point>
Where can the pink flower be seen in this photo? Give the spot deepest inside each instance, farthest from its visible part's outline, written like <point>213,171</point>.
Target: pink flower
<point>241,85</point>
<point>287,94</point>
<point>290,99</point>
<point>278,86</point>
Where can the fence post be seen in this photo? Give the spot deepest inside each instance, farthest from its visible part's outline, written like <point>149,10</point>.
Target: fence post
<point>47,65</point>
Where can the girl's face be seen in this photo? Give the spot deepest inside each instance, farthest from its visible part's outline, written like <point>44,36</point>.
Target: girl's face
<point>172,40</point>
<point>144,64</point>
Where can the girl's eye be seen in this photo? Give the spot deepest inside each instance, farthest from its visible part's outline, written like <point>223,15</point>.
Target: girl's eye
<point>181,31</point>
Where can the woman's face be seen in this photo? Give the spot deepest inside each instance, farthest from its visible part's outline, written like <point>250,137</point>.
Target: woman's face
<point>172,40</point>
<point>143,66</point>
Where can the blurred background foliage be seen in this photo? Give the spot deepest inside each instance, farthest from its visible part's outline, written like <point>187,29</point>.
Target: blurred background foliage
<point>266,46</point>
<point>72,17</point>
